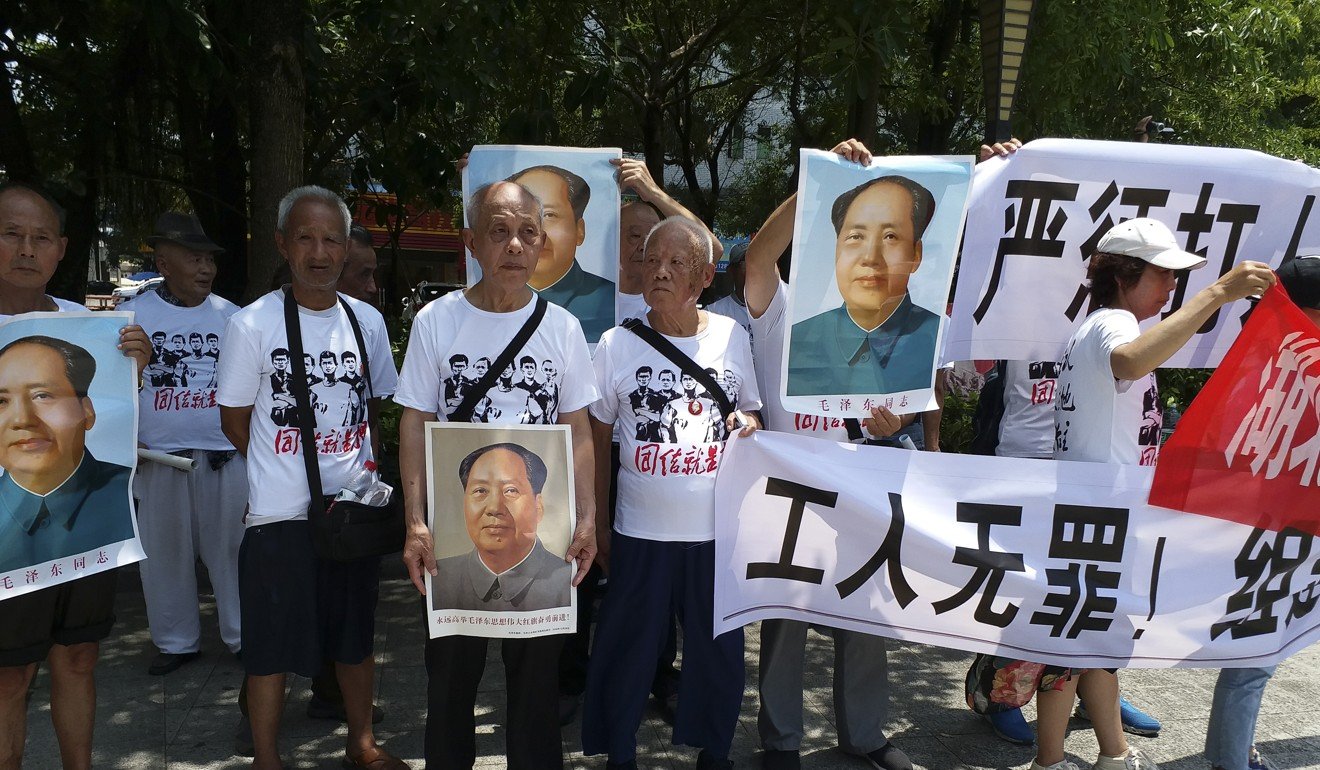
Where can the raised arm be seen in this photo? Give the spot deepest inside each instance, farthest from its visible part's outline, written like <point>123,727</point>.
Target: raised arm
<point>635,176</point>
<point>1157,344</point>
<point>776,235</point>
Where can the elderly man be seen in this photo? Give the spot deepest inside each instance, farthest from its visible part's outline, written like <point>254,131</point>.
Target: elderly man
<point>298,608</point>
<point>505,236</point>
<point>1107,410</point>
<point>662,550</point>
<point>359,277</point>
<point>182,515</point>
<point>861,678</point>
<point>64,624</point>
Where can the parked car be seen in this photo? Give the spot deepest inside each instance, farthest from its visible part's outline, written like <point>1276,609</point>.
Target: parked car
<point>125,293</point>
<point>423,293</point>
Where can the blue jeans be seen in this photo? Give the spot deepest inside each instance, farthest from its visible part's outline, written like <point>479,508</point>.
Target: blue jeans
<point>1233,714</point>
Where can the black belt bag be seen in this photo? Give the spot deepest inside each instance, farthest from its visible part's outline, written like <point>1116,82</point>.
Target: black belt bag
<point>342,530</point>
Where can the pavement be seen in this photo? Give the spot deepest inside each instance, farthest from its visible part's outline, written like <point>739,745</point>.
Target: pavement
<point>186,720</point>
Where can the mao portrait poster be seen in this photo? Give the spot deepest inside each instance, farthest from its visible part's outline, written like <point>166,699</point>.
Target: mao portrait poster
<point>579,264</point>
<point>501,510</point>
<point>68,412</point>
<point>873,257</point>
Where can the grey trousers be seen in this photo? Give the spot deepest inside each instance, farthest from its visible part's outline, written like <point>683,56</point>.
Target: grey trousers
<point>861,687</point>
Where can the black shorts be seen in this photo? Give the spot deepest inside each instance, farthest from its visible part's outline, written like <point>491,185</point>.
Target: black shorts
<point>79,611</point>
<point>298,610</point>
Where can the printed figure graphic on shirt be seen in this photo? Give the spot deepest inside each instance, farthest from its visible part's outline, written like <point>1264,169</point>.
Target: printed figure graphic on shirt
<point>327,388</point>
<point>357,389</point>
<point>284,409</point>
<point>478,370</point>
<point>646,407</point>
<point>551,386</point>
<point>692,417</point>
<point>156,373</point>
<point>540,402</point>
<point>213,346</point>
<point>730,383</point>
<point>455,385</point>
<point>1152,420</point>
<point>200,368</point>
<point>309,366</point>
<point>505,383</point>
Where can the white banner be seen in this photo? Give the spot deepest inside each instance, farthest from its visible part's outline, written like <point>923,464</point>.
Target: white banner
<point>1053,562</point>
<point>1034,219</point>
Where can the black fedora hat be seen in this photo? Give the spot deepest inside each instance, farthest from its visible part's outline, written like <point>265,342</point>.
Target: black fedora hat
<point>183,229</point>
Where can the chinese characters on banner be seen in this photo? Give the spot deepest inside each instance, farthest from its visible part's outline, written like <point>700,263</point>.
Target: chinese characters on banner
<point>1055,562</point>
<point>1033,221</point>
<point>66,508</point>
<point>873,254</point>
<point>1248,447</point>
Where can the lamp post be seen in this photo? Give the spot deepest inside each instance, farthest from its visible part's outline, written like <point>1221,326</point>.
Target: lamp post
<point>1004,28</point>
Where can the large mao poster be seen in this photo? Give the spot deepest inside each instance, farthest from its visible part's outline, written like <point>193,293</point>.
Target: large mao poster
<point>873,257</point>
<point>579,264</point>
<point>501,510</point>
<point>68,413</point>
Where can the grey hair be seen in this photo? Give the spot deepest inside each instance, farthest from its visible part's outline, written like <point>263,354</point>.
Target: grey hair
<point>316,193</point>
<point>477,201</point>
<point>696,229</point>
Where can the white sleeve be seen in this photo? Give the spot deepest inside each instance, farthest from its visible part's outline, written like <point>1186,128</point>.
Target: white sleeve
<point>239,375</point>
<point>580,388</point>
<point>384,378</point>
<point>774,312</point>
<point>1114,331</point>
<point>606,408</point>
<point>419,383</point>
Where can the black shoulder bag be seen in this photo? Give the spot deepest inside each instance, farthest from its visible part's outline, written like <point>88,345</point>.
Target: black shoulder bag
<point>463,413</point>
<point>689,367</point>
<point>342,530</point>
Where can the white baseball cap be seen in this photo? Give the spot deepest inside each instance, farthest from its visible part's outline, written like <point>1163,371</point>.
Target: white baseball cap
<point>1149,240</point>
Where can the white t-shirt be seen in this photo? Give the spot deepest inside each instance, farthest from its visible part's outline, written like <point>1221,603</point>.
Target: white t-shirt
<point>670,438</point>
<point>1098,418</point>
<point>1027,427</point>
<point>176,406</point>
<point>61,306</point>
<point>630,306</point>
<point>257,373</point>
<point>731,307</point>
<point>768,351</point>
<point>453,344</point>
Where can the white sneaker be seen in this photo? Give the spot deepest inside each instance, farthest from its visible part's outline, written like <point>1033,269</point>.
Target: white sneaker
<point>1133,760</point>
<point>1060,765</point>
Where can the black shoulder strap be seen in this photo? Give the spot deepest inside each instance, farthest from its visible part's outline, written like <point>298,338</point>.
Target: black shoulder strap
<point>303,398</point>
<point>666,348</point>
<point>361,344</point>
<point>479,389</point>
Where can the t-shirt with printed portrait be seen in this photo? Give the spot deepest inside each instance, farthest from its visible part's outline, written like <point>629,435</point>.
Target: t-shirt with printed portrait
<point>671,433</point>
<point>257,371</point>
<point>454,343</point>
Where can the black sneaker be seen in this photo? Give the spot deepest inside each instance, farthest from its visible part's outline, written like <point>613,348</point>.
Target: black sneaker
<point>889,757</point>
<point>707,762</point>
<point>776,759</point>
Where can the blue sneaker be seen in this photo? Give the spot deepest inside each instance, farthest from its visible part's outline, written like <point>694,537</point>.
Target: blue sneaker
<point>1010,726</point>
<point>1135,720</point>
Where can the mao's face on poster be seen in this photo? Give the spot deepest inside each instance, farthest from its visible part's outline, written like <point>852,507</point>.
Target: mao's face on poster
<point>43,422</point>
<point>876,250</point>
<point>500,507</point>
<point>563,230</point>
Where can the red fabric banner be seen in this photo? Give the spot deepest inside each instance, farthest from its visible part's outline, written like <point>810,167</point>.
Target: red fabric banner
<point>1248,447</point>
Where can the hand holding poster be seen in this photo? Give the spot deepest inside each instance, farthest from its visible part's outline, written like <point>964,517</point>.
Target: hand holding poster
<point>501,510</point>
<point>872,261</point>
<point>1034,219</point>
<point>579,264</point>
<point>1053,562</point>
<point>68,411</point>
<point>1248,448</point>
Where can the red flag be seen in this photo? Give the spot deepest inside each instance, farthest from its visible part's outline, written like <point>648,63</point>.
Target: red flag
<point>1248,447</point>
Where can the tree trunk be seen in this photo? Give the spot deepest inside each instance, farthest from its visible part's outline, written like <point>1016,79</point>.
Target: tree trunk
<point>277,95</point>
<point>653,140</point>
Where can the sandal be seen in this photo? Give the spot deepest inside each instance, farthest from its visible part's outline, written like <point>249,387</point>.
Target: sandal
<point>375,758</point>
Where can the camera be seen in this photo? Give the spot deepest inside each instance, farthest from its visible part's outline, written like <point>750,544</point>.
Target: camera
<point>1158,131</point>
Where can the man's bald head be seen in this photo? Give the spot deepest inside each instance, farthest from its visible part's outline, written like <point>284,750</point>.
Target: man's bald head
<point>38,196</point>
<point>488,197</point>
<point>693,233</point>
